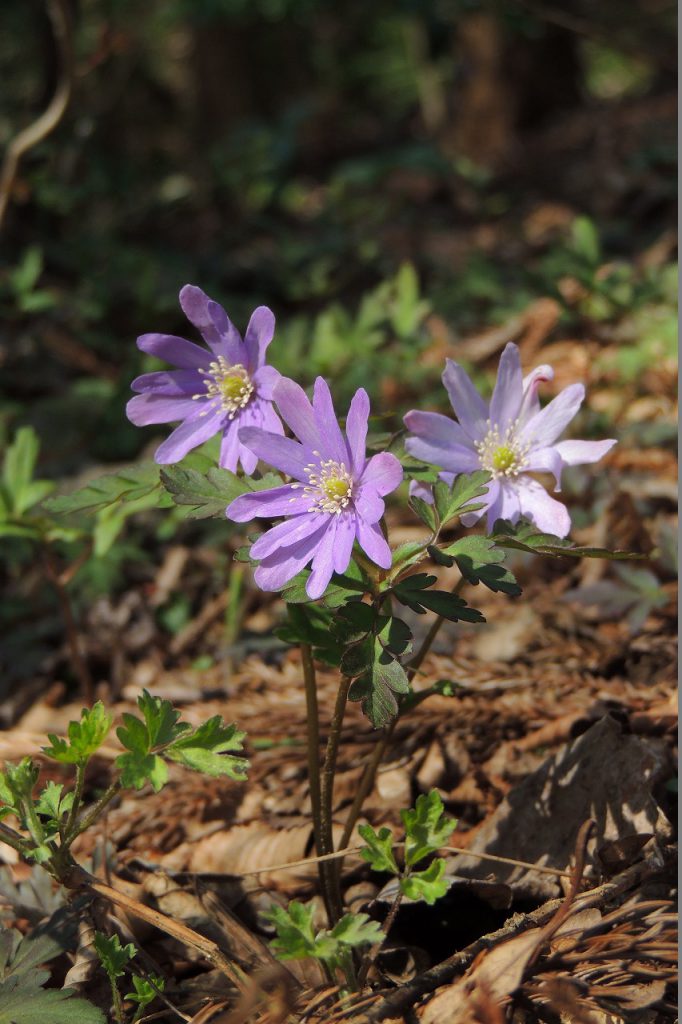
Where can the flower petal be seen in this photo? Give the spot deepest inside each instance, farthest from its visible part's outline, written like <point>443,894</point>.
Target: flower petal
<point>332,445</point>
<point>531,382</point>
<point>323,562</point>
<point>289,532</point>
<point>383,472</point>
<point>545,460</point>
<point>505,504</point>
<point>283,453</point>
<point>142,410</point>
<point>269,504</point>
<point>471,410</point>
<point>548,514</point>
<point>173,383</point>
<point>439,429</point>
<point>544,428</point>
<point>258,336</point>
<point>508,393</point>
<point>283,565</point>
<point>265,379</point>
<point>210,320</point>
<point>455,458</point>
<point>373,543</point>
<point>187,436</point>
<point>368,504</point>
<point>178,351</point>
<point>577,453</point>
<point>356,430</point>
<point>296,411</point>
<point>229,448</point>
<point>228,342</point>
<point>343,541</point>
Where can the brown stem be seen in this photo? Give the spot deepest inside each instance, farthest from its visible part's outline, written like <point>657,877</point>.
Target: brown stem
<point>427,643</point>
<point>375,950</point>
<point>327,795</point>
<point>39,129</point>
<point>77,660</point>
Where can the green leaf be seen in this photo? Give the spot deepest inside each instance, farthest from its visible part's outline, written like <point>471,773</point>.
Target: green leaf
<point>354,621</point>
<point>455,501</point>
<point>161,720</point>
<point>295,936</point>
<point>379,850</point>
<point>407,554</point>
<point>17,781</point>
<point>112,954</point>
<point>145,991</point>
<point>428,885</point>
<point>414,592</point>
<point>205,750</point>
<point>84,737</point>
<point>424,511</point>
<point>355,930</point>
<point>426,827</point>
<point>479,561</point>
<point>395,636</point>
<point>127,485</point>
<point>359,657</point>
<point>523,536</point>
<point>586,240</point>
<point>206,495</point>
<point>19,492</point>
<point>28,1003</point>
<point>336,594</point>
<point>137,769</point>
<point>311,624</point>
<point>376,689</point>
<point>53,802</point>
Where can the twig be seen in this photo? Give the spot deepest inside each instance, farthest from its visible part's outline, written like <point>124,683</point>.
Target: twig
<point>50,118</point>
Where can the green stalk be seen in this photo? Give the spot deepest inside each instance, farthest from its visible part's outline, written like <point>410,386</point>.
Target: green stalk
<point>327,796</point>
<point>93,815</point>
<point>76,805</point>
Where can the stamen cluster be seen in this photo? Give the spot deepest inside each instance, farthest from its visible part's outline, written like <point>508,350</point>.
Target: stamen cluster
<point>502,454</point>
<point>228,387</point>
<point>330,486</point>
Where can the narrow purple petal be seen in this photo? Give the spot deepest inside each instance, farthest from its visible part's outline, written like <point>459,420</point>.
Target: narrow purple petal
<point>276,501</point>
<point>229,447</point>
<point>576,453</point>
<point>178,351</point>
<point>506,400</point>
<point>265,379</point>
<point>288,456</point>
<point>455,458</point>
<point>383,473</point>
<point>283,565</point>
<point>471,410</point>
<point>343,541</point>
<point>296,411</point>
<point>548,514</point>
<point>531,382</point>
<point>373,543</point>
<point>143,410</point>
<point>289,532</point>
<point>505,504</point>
<point>545,460</point>
<point>332,444</point>
<point>172,383</point>
<point>258,336</point>
<point>356,430</point>
<point>195,305</point>
<point>323,562</point>
<point>433,426</point>
<point>544,428</point>
<point>248,460</point>
<point>228,342</point>
<point>271,420</point>
<point>187,436</point>
<point>368,504</point>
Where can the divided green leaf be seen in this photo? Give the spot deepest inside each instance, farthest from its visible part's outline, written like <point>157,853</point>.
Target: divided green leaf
<point>112,954</point>
<point>205,749</point>
<point>426,827</point>
<point>296,938</point>
<point>128,484</point>
<point>461,497</point>
<point>523,536</point>
<point>479,561</point>
<point>428,885</point>
<point>84,737</point>
<point>376,688</point>
<point>414,592</point>
<point>379,850</point>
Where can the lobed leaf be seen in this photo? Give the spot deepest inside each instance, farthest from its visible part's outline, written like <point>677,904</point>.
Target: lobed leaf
<point>426,827</point>
<point>84,737</point>
<point>428,885</point>
<point>379,850</point>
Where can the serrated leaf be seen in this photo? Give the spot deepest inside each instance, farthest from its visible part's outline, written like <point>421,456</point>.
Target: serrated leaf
<point>295,936</point>
<point>379,850</point>
<point>376,689</point>
<point>84,737</point>
<point>426,827</point>
<point>455,501</point>
<point>341,587</point>
<point>53,802</point>
<point>126,485</point>
<point>479,561</point>
<point>112,954</point>
<point>161,720</point>
<point>137,769</point>
<point>407,554</point>
<point>358,657</point>
<point>424,511</point>
<point>30,1004</point>
<point>523,536</point>
<point>355,930</point>
<point>205,749</point>
<point>395,636</point>
<point>428,885</point>
<point>205,494</point>
<point>414,592</point>
<point>145,990</point>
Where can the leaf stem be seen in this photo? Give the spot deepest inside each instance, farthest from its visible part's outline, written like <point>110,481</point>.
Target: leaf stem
<point>375,950</point>
<point>76,805</point>
<point>93,815</point>
<point>427,643</point>
<point>327,794</point>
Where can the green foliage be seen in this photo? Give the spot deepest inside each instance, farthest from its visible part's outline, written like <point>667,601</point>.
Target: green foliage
<point>415,593</point>
<point>426,827</point>
<point>84,737</point>
<point>113,956</point>
<point>145,992</point>
<point>159,735</point>
<point>23,999</point>
<point>427,885</point>
<point>524,536</point>
<point>632,596</point>
<point>297,939</point>
<point>379,850</point>
<point>459,499</point>
<point>207,495</point>
<point>479,561</point>
<point>311,624</point>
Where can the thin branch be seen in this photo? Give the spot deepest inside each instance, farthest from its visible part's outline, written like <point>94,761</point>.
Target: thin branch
<point>50,118</point>
<point>327,792</point>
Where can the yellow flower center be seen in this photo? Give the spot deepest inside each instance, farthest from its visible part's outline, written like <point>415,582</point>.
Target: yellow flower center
<point>504,458</point>
<point>502,454</point>
<point>330,486</point>
<point>228,387</point>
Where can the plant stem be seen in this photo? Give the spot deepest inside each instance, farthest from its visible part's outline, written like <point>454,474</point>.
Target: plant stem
<point>76,805</point>
<point>77,660</point>
<point>12,838</point>
<point>118,1002</point>
<point>427,643</point>
<point>327,795</point>
<point>375,950</point>
<point>93,815</point>
<point>313,742</point>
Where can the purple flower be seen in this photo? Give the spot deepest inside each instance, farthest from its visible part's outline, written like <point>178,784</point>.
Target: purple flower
<point>211,392</point>
<point>335,497</point>
<point>510,437</point>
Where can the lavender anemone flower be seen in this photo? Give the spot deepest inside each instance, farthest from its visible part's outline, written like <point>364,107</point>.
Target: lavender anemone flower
<point>509,437</point>
<point>211,392</point>
<point>335,497</point>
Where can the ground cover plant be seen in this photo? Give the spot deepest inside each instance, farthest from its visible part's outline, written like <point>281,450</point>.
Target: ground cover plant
<point>336,676</point>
